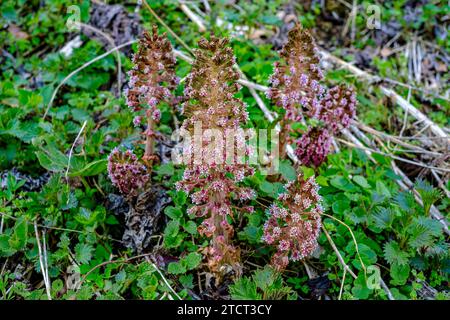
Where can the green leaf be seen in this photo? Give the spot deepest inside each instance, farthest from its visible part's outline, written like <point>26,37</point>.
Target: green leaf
<point>360,289</point>
<point>187,281</point>
<point>5,247</point>
<point>244,289</point>
<point>91,169</point>
<point>176,268</point>
<point>264,278</point>
<point>382,189</point>
<point>322,181</point>
<point>83,253</point>
<point>342,183</point>
<point>368,256</point>
<point>180,198</point>
<point>192,260</point>
<point>340,206</point>
<point>287,170</point>
<point>405,200</point>
<point>271,189</point>
<point>307,172</point>
<point>428,194</point>
<point>172,228</point>
<point>166,169</point>
<point>173,213</point>
<point>52,159</point>
<point>19,237</point>
<point>383,218</point>
<point>360,180</point>
<point>399,274</point>
<point>190,227</point>
<point>394,255</point>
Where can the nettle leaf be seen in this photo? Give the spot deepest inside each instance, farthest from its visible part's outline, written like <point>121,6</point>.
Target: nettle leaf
<point>361,181</point>
<point>428,194</point>
<point>420,236</point>
<point>405,200</point>
<point>24,131</point>
<point>192,260</point>
<point>423,232</point>
<point>264,278</point>
<point>244,289</point>
<point>5,247</point>
<point>382,189</point>
<point>399,274</point>
<point>187,281</point>
<point>383,218</point>
<point>394,255</point>
<point>176,268</point>
<point>83,253</point>
<point>440,248</point>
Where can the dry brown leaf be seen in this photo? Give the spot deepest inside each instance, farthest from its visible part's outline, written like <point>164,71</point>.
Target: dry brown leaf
<point>17,32</point>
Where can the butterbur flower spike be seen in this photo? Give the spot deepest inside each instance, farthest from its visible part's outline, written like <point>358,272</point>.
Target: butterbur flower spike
<point>126,172</point>
<point>214,186</point>
<point>294,222</point>
<point>152,80</point>
<point>295,82</point>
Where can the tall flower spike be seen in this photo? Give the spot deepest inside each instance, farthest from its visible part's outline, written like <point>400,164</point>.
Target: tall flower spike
<point>338,108</point>
<point>214,185</point>
<point>152,79</point>
<point>294,223</point>
<point>295,81</point>
<point>126,172</point>
<point>313,146</point>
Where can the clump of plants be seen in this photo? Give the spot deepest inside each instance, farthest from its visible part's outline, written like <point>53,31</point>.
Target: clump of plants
<point>296,87</point>
<point>152,81</point>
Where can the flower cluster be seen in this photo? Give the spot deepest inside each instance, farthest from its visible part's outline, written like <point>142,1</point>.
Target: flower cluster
<point>213,186</point>
<point>313,146</point>
<point>295,82</point>
<point>337,108</point>
<point>126,172</point>
<point>152,79</point>
<point>295,86</point>
<point>294,223</point>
